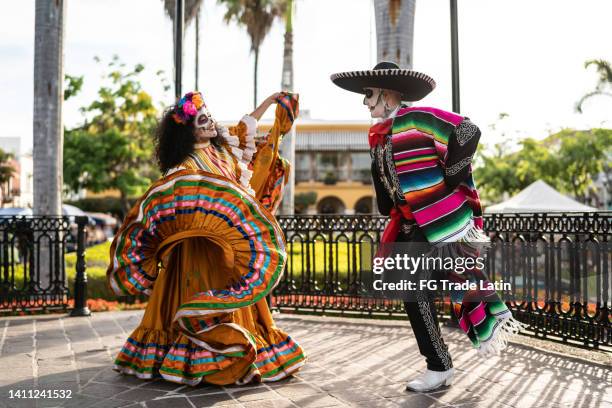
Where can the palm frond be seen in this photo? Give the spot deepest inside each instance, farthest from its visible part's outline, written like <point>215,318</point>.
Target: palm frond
<point>604,69</point>
<point>192,8</point>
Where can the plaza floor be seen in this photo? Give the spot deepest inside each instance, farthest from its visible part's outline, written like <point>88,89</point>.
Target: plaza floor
<point>351,362</point>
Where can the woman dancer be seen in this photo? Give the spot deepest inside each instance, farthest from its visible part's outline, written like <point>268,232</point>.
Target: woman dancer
<point>207,252</point>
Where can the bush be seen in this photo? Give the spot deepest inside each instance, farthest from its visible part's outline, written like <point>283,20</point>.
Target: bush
<point>110,205</point>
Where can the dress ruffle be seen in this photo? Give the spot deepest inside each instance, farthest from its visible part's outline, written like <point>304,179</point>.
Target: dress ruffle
<point>143,352</point>
<point>151,353</point>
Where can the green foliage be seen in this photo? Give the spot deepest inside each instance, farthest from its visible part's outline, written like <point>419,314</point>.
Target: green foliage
<point>73,86</point>
<point>97,259</point>
<point>6,169</point>
<point>113,149</point>
<point>582,155</point>
<point>301,201</point>
<point>256,16</point>
<point>112,205</point>
<point>568,161</point>
<point>604,81</point>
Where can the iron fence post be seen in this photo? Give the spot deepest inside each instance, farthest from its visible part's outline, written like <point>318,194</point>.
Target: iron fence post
<point>80,282</point>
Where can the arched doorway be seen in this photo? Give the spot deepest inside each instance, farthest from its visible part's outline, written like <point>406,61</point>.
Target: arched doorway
<point>364,205</point>
<point>330,205</point>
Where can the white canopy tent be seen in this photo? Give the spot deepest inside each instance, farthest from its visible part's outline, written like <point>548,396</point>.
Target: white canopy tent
<point>539,197</point>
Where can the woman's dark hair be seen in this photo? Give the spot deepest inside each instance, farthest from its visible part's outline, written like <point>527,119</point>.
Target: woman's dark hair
<point>174,142</point>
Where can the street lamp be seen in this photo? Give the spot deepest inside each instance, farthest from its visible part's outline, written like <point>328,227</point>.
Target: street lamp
<point>179,21</point>
<point>454,55</point>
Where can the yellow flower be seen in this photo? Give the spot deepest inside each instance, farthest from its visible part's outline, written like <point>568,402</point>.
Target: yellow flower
<point>197,100</point>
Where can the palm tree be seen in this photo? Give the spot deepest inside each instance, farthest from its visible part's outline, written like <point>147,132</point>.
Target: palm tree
<point>257,17</point>
<point>287,79</point>
<point>192,12</point>
<point>288,145</point>
<point>48,96</point>
<point>395,31</point>
<point>604,70</point>
<point>47,126</point>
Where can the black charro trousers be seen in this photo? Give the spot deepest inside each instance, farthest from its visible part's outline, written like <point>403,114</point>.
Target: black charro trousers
<point>421,310</point>
<point>423,317</point>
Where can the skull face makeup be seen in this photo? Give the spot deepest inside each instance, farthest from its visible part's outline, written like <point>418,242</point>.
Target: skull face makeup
<point>204,124</point>
<point>373,100</point>
<point>376,100</point>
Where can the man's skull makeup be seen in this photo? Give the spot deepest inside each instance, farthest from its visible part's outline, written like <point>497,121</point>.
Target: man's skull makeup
<point>375,100</point>
<point>204,124</point>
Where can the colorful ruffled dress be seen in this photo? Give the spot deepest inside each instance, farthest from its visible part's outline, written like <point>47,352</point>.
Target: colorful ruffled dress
<point>206,250</point>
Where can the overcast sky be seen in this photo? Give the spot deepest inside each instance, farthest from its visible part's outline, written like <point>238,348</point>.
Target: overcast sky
<point>521,57</point>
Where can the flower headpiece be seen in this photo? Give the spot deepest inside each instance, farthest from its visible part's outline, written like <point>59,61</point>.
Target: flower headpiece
<point>187,107</point>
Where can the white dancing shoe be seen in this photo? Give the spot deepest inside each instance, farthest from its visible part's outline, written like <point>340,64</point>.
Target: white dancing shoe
<point>431,380</point>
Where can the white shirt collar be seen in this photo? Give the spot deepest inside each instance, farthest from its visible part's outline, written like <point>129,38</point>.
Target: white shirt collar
<point>394,112</point>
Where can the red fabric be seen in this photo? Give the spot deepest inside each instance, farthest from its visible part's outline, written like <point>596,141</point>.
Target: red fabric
<point>392,229</point>
<point>377,136</point>
<point>379,131</point>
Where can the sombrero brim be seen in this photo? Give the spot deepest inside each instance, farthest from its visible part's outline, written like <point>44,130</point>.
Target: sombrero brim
<point>412,85</point>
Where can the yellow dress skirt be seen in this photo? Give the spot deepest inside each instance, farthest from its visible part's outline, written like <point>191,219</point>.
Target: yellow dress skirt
<point>207,252</point>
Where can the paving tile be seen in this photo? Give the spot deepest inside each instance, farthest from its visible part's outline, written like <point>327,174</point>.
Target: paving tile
<point>212,400</point>
<point>355,395</point>
<point>290,380</point>
<point>317,401</point>
<point>274,403</point>
<point>417,401</point>
<point>111,403</point>
<point>380,403</point>
<point>521,377</point>
<point>102,390</point>
<point>255,394</point>
<point>140,394</point>
<point>296,390</point>
<point>173,402</point>
<point>389,390</point>
<point>336,385</point>
<point>159,384</point>
<point>81,401</point>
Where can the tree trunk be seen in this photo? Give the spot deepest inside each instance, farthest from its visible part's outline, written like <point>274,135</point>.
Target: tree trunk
<point>255,67</point>
<point>125,204</point>
<point>197,51</point>
<point>287,79</point>
<point>287,147</point>
<point>48,96</point>
<point>47,123</point>
<point>395,31</point>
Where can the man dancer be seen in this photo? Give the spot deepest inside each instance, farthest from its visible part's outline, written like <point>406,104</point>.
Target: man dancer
<point>423,182</point>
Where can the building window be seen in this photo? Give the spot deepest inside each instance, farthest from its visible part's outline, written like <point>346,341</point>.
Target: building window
<point>364,205</point>
<point>303,167</point>
<point>331,205</point>
<point>360,167</point>
<point>331,167</point>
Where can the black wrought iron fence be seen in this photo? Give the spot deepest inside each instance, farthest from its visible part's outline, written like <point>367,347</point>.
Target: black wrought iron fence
<point>32,265</point>
<point>558,266</point>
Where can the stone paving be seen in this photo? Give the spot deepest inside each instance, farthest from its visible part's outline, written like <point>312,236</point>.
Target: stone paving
<point>352,362</point>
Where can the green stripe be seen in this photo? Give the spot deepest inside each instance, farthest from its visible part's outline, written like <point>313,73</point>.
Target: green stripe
<point>457,220</point>
<point>134,366</point>
<point>185,374</point>
<point>286,364</point>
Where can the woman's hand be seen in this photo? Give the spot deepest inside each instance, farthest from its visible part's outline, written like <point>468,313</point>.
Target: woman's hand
<point>272,98</point>
<point>261,109</point>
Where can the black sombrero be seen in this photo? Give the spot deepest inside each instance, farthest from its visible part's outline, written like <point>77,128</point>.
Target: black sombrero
<point>412,85</point>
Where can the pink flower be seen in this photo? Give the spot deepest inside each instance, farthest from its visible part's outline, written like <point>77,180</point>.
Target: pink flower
<point>189,108</point>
